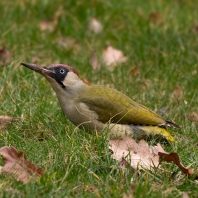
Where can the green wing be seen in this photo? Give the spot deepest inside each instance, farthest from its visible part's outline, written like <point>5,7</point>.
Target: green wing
<point>115,107</point>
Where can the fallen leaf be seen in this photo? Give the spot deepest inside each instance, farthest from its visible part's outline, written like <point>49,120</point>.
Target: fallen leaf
<point>17,164</point>
<point>193,117</point>
<point>155,17</point>
<point>5,120</point>
<point>178,92</point>
<point>112,56</point>
<point>50,24</point>
<point>139,155</point>
<point>94,61</point>
<point>95,26</point>
<point>142,156</point>
<point>5,55</point>
<point>174,157</point>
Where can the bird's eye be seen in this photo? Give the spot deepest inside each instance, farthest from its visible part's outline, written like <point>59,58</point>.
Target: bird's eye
<point>62,71</point>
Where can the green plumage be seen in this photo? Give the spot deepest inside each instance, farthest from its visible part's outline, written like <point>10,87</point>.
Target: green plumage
<point>98,107</point>
<point>114,107</point>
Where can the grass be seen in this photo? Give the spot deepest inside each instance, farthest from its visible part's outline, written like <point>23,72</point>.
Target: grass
<point>77,164</point>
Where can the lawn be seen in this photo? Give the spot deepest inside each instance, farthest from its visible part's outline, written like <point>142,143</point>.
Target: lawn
<point>159,39</point>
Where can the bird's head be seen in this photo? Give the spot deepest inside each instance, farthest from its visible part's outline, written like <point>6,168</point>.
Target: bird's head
<point>59,75</point>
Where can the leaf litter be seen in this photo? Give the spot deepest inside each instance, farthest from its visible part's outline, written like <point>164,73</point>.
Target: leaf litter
<point>126,151</point>
<point>112,57</point>
<point>142,156</point>
<point>5,55</point>
<point>156,18</point>
<point>17,164</point>
<point>95,26</point>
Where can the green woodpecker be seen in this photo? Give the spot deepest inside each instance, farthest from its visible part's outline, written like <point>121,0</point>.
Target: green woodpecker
<point>99,108</point>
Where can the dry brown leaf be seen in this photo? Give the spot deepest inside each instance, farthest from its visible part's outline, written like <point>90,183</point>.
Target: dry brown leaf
<point>50,24</point>
<point>112,56</point>
<point>95,26</point>
<point>155,17</point>
<point>17,164</point>
<point>94,61</point>
<point>5,120</point>
<point>141,155</point>
<point>5,55</point>
<point>193,117</point>
<point>174,157</point>
<point>178,92</point>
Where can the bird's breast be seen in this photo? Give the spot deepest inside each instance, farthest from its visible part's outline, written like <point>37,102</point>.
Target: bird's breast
<point>78,113</point>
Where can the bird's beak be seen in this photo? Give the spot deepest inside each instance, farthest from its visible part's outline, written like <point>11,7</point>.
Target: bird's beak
<point>42,70</point>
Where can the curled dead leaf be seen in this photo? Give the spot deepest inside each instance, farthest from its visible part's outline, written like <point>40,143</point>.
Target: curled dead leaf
<point>193,117</point>
<point>95,26</point>
<point>112,56</point>
<point>17,164</point>
<point>5,55</point>
<point>142,156</point>
<point>174,157</point>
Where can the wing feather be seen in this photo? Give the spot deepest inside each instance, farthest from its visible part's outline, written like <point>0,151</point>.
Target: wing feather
<point>114,107</point>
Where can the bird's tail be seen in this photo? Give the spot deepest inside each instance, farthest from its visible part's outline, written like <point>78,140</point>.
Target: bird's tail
<point>172,124</point>
<point>140,131</point>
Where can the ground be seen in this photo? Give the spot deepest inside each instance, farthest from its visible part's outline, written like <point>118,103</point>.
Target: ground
<point>159,39</point>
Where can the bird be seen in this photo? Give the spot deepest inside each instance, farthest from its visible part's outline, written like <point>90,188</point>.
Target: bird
<point>100,108</point>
